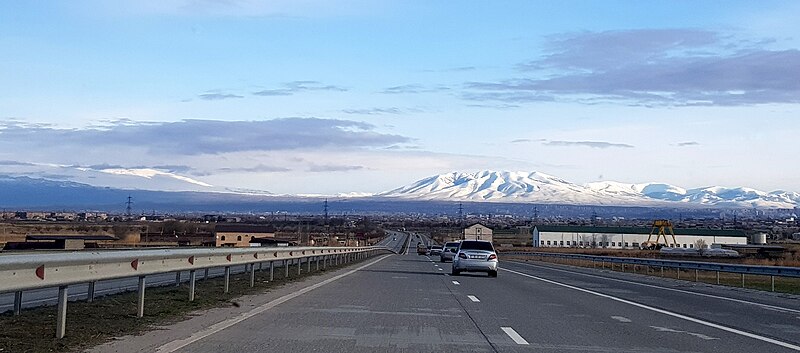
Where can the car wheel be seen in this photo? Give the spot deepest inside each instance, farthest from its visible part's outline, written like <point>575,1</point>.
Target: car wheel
<point>455,272</point>
<point>492,273</point>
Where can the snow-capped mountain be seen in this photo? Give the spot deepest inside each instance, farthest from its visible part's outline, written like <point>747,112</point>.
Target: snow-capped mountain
<point>503,186</point>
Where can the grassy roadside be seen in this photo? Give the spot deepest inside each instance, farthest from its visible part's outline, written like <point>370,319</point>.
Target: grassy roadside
<point>89,324</point>
<point>782,284</point>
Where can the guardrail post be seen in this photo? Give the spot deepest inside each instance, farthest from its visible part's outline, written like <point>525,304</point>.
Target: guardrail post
<point>61,316</point>
<point>678,273</point>
<point>90,292</point>
<point>285,268</point>
<point>252,275</point>
<point>205,274</point>
<point>17,303</point>
<point>317,261</point>
<point>695,274</point>
<point>178,279</point>
<point>308,264</point>
<point>140,302</point>
<point>192,278</point>
<point>299,264</point>
<point>772,279</point>
<point>227,279</point>
<point>662,271</point>
<point>717,277</point>
<point>271,271</point>
<point>742,280</point>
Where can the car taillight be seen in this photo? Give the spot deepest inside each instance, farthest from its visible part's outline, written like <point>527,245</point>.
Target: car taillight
<point>492,257</point>
<point>462,255</point>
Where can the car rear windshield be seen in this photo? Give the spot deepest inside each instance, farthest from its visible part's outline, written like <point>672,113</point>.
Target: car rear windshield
<point>476,245</point>
<point>436,247</point>
<point>451,245</point>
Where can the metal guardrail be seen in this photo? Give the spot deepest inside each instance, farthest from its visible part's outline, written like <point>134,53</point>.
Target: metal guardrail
<point>35,271</point>
<point>772,271</point>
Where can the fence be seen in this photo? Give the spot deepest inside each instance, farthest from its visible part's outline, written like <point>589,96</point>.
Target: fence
<point>771,271</point>
<point>24,272</point>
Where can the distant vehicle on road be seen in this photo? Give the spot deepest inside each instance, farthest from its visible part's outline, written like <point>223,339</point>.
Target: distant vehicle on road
<point>435,250</point>
<point>449,251</point>
<point>421,249</point>
<point>475,256</point>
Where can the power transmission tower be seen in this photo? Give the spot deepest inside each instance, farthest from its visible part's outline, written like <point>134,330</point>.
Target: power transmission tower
<point>326,211</point>
<point>128,206</point>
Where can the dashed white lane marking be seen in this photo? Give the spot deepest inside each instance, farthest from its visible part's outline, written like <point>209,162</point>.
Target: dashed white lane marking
<point>474,299</point>
<point>698,335</point>
<point>178,344</point>
<point>665,312</point>
<point>440,269</point>
<point>621,319</point>
<point>514,336</point>
<point>456,283</point>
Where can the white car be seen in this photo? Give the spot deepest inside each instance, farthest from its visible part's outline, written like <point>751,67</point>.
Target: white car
<point>475,256</point>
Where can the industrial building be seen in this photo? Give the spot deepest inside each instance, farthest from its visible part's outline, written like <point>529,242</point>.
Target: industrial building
<point>240,235</point>
<point>567,236</point>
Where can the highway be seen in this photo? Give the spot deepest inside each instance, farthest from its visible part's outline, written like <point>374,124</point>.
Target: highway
<point>410,303</point>
<point>48,296</point>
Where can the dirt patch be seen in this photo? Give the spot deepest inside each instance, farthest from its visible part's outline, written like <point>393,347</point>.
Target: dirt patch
<point>89,324</point>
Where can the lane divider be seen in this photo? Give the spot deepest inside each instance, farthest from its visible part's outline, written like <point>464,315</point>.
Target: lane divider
<point>665,312</point>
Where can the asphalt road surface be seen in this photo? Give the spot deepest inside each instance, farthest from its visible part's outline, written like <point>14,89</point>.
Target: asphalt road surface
<point>410,303</point>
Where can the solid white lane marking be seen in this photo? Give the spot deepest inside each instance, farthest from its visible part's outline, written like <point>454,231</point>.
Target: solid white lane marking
<point>621,319</point>
<point>178,344</point>
<point>456,283</point>
<point>665,312</point>
<point>764,306</point>
<point>514,336</point>
<point>473,298</point>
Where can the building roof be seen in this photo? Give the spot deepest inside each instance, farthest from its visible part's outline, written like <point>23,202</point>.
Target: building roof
<point>244,228</point>
<point>476,224</point>
<point>69,237</point>
<point>639,230</point>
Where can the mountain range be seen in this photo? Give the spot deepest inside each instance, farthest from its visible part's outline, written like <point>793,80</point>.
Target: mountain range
<point>536,187</point>
<point>159,188</point>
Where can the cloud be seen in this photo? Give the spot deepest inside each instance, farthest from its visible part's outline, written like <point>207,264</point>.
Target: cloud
<point>664,67</point>
<point>689,143</point>
<point>381,111</point>
<point>293,87</point>
<point>592,144</point>
<point>194,137</point>
<point>333,168</point>
<point>217,96</point>
<point>413,89</point>
<point>16,163</point>
<point>260,168</point>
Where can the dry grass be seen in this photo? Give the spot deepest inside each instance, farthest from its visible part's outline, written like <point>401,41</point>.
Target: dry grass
<point>790,259</point>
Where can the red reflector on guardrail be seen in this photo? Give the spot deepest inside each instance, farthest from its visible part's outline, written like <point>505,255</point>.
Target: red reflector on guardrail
<point>228,257</point>
<point>191,260</point>
<point>40,272</point>
<point>135,264</point>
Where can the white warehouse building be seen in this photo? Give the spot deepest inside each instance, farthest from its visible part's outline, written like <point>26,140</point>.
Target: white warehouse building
<point>566,236</point>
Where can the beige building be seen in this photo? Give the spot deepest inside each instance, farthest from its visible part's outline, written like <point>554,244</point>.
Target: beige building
<point>237,235</point>
<point>478,231</point>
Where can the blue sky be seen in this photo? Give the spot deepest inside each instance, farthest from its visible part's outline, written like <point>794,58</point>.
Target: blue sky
<point>339,96</point>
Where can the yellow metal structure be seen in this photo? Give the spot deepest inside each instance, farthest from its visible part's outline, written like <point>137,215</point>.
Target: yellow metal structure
<point>663,227</point>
